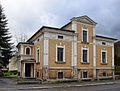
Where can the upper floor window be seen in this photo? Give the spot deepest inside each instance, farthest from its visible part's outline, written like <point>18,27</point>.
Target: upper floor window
<point>85,35</point>
<point>38,55</point>
<point>104,57</point>
<point>28,51</point>
<point>60,37</point>
<point>60,53</point>
<point>85,55</point>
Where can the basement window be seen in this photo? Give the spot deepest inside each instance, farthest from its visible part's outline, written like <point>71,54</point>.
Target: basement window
<point>104,73</point>
<point>60,75</point>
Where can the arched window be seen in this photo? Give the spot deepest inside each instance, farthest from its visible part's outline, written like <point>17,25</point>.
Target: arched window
<point>28,51</point>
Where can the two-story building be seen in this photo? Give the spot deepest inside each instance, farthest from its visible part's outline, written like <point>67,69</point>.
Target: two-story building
<point>73,51</point>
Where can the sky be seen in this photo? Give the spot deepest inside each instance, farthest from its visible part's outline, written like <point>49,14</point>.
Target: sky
<point>27,16</point>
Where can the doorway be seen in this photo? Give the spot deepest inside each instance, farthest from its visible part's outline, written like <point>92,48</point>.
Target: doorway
<point>27,70</point>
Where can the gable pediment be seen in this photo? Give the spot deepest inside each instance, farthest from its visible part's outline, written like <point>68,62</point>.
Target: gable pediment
<point>84,19</point>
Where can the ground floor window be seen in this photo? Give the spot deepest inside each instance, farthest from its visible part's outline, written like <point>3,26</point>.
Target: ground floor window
<point>84,74</point>
<point>60,75</point>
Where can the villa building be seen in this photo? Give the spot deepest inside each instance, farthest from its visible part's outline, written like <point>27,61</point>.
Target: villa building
<point>73,51</point>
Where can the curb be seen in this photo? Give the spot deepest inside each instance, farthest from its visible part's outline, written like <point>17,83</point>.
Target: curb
<point>47,87</point>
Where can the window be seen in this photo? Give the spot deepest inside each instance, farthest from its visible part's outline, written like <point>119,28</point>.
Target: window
<point>103,43</point>
<point>38,55</point>
<point>104,57</point>
<point>85,35</point>
<point>84,55</point>
<point>60,37</point>
<point>37,74</point>
<point>38,39</point>
<point>60,75</point>
<point>104,73</point>
<point>28,51</point>
<point>60,53</point>
<point>84,74</point>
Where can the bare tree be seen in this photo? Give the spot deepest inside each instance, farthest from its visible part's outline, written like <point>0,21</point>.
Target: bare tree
<point>21,37</point>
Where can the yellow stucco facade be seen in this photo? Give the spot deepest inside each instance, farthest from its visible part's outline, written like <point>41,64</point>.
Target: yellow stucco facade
<point>64,53</point>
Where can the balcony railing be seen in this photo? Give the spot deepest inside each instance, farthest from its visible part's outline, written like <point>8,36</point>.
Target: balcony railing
<point>25,57</point>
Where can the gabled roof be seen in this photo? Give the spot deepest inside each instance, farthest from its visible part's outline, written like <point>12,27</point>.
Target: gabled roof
<point>84,19</point>
<point>49,28</point>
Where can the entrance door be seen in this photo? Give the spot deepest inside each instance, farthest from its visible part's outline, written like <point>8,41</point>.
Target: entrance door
<point>27,70</point>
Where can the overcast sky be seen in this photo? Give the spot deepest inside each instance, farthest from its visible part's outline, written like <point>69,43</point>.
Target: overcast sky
<point>28,16</point>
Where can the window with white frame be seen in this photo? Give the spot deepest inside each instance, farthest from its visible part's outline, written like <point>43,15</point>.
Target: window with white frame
<point>60,53</point>
<point>85,55</point>
<point>38,55</point>
<point>84,35</point>
<point>27,51</point>
<point>103,56</point>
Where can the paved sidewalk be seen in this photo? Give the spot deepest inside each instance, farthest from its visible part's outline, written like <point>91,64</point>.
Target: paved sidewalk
<point>6,83</point>
<point>75,84</point>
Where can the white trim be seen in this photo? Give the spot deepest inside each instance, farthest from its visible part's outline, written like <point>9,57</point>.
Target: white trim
<point>104,68</point>
<point>74,26</point>
<point>21,50</point>
<point>46,49</point>
<point>37,61</point>
<point>25,50</point>
<point>85,67</point>
<point>113,56</point>
<point>63,52</point>
<point>59,67</point>
<point>87,55</point>
<point>106,55</point>
<point>94,48</point>
<point>85,24</point>
<point>72,63</point>
<point>83,29</point>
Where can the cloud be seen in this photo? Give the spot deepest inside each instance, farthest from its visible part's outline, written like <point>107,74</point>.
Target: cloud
<point>28,16</point>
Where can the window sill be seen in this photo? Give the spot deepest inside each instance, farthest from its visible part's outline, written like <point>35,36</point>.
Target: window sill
<point>85,42</point>
<point>60,62</point>
<point>84,63</point>
<point>37,62</point>
<point>104,63</point>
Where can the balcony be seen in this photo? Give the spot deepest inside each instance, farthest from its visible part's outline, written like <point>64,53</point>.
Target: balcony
<point>25,57</point>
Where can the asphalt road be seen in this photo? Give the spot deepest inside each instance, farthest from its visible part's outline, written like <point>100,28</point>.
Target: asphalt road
<point>7,85</point>
<point>115,87</point>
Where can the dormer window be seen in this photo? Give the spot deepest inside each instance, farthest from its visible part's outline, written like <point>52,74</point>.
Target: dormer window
<point>60,37</point>
<point>27,51</point>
